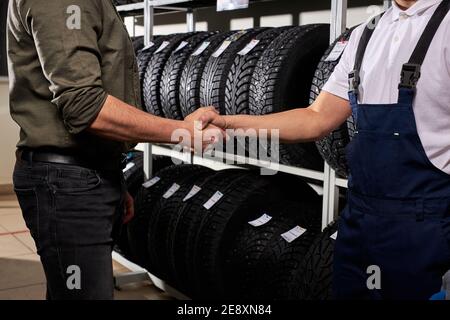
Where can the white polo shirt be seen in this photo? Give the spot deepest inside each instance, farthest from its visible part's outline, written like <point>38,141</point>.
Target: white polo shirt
<point>391,45</point>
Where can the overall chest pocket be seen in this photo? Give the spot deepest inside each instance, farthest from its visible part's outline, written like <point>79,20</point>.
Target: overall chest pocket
<point>380,162</point>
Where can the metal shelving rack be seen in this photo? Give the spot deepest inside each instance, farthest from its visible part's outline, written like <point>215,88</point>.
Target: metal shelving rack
<point>328,178</point>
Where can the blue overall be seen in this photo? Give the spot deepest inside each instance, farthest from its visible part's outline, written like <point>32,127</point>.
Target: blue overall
<point>398,212</point>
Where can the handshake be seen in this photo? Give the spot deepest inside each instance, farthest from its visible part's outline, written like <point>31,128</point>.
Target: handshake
<point>205,127</point>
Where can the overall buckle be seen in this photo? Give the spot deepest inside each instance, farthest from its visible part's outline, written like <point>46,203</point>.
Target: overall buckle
<point>410,76</point>
<point>354,81</point>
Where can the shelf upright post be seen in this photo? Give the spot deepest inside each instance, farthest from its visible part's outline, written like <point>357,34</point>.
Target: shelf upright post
<point>149,16</point>
<point>387,4</point>
<point>330,190</point>
<point>148,37</point>
<point>338,18</point>
<point>190,20</point>
<point>326,193</point>
<point>333,210</point>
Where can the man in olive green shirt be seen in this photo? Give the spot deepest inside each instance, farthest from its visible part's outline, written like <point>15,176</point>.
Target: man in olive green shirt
<point>74,91</point>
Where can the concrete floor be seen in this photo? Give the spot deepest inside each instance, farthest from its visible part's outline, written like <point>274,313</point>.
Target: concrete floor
<point>21,274</point>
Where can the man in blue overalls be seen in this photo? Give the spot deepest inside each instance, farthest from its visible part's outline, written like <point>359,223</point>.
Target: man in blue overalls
<point>397,220</point>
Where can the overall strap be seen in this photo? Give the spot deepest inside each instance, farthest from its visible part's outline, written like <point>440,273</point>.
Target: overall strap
<point>354,79</point>
<point>411,71</point>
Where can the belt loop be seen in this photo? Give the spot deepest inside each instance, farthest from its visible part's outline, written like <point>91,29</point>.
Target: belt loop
<point>406,96</point>
<point>30,158</point>
<point>420,214</point>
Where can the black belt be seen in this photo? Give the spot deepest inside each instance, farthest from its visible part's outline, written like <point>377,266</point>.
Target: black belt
<point>36,155</point>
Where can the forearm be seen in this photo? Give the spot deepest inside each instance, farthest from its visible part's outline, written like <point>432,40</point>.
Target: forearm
<point>122,122</point>
<point>298,125</point>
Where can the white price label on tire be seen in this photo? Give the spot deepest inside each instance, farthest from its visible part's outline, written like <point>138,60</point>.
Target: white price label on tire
<point>128,166</point>
<point>213,200</point>
<point>221,49</point>
<point>151,44</point>
<point>202,48</point>
<point>192,193</point>
<point>337,51</point>
<point>252,44</point>
<point>151,182</point>
<point>334,235</point>
<point>181,46</point>
<point>163,45</point>
<point>293,234</point>
<point>260,221</point>
<point>174,188</point>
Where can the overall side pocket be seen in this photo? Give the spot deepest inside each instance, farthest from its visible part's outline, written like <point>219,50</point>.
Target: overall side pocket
<point>445,229</point>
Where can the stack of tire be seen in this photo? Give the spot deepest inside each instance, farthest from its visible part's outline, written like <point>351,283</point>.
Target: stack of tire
<point>261,72</point>
<point>134,176</point>
<point>227,234</point>
<point>314,279</point>
<point>333,147</point>
<point>133,171</point>
<point>138,44</point>
<point>254,71</point>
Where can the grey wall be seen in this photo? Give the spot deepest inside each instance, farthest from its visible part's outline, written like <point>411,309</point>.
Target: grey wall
<point>3,12</point>
<point>9,130</point>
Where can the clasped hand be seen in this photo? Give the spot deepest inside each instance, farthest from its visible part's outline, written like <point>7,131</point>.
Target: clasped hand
<point>206,123</point>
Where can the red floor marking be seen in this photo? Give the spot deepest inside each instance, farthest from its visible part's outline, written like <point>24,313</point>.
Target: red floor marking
<point>13,233</point>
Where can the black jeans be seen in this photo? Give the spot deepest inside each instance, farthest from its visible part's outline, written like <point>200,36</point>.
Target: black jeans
<point>70,212</point>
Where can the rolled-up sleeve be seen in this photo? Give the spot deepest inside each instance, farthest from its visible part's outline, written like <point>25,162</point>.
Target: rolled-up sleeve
<point>65,33</point>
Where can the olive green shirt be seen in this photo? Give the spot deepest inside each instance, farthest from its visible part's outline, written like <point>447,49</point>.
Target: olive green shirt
<point>64,58</point>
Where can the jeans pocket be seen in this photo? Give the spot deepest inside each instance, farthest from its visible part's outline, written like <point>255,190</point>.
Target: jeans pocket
<point>76,180</point>
<point>29,205</point>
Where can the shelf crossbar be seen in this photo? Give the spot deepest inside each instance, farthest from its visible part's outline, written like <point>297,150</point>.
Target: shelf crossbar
<point>229,161</point>
<point>131,7</point>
